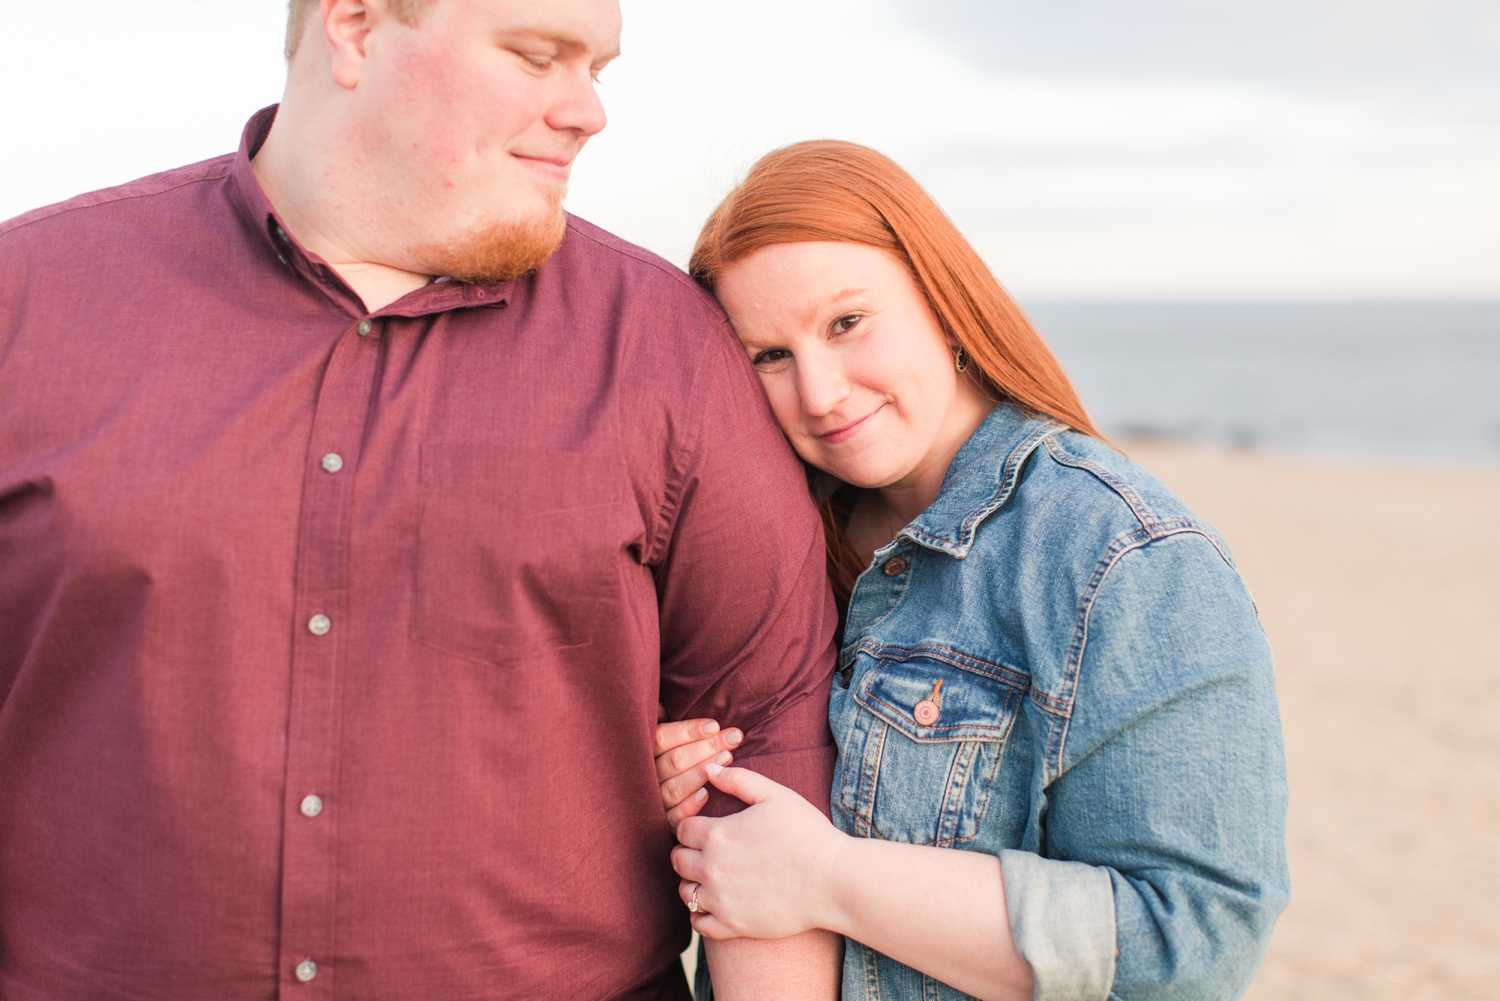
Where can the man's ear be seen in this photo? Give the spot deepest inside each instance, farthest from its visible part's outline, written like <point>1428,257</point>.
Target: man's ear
<point>345,30</point>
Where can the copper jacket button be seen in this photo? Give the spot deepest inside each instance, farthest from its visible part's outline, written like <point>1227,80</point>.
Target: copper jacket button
<point>926,712</point>
<point>894,567</point>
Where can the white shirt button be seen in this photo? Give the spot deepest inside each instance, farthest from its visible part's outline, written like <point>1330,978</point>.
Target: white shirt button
<point>312,806</point>
<point>306,970</point>
<point>364,328</point>
<point>319,625</point>
<point>333,462</point>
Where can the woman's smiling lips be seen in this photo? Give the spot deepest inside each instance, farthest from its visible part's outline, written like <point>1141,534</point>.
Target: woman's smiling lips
<point>848,430</point>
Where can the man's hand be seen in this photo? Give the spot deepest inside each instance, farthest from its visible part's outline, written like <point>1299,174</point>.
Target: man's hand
<point>766,872</point>
<point>682,751</point>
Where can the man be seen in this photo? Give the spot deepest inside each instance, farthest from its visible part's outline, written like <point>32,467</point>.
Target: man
<point>356,508</point>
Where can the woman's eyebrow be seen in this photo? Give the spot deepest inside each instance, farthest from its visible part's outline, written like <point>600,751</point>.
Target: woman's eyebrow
<point>833,300</point>
<point>848,293</point>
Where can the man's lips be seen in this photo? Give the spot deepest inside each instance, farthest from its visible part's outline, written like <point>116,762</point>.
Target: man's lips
<point>552,166</point>
<point>848,430</point>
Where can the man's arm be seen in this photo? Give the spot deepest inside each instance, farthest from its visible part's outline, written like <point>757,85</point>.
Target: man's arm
<point>806,967</point>
<point>747,622</point>
<point>745,611</point>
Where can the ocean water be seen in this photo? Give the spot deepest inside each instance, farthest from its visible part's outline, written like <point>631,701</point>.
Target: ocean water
<point>1400,381</point>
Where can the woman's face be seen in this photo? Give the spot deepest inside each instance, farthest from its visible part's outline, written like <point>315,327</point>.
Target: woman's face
<point>859,373</point>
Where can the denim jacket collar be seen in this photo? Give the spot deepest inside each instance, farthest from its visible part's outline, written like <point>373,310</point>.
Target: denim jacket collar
<point>980,479</point>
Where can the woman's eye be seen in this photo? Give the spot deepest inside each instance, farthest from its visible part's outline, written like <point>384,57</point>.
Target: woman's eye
<point>773,355</point>
<point>540,62</point>
<point>846,323</point>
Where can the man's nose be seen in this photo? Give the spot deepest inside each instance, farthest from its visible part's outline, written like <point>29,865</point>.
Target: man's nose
<point>578,108</point>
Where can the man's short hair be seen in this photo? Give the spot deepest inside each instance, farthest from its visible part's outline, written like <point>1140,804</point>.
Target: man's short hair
<point>298,12</point>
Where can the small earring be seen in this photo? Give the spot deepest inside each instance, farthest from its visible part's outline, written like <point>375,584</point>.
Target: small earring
<point>960,358</point>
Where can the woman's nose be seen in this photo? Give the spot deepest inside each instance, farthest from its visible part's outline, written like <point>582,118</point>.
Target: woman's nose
<point>822,388</point>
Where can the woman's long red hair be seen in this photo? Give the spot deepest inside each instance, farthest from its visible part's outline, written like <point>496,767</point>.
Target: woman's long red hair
<point>846,193</point>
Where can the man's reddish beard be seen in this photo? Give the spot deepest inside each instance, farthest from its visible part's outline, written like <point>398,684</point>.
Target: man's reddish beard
<point>501,251</point>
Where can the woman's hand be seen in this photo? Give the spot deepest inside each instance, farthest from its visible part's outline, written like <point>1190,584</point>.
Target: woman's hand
<point>682,751</point>
<point>766,872</point>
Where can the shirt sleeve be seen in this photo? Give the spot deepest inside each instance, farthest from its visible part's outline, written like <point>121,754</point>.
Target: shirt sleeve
<point>1163,866</point>
<point>746,614</point>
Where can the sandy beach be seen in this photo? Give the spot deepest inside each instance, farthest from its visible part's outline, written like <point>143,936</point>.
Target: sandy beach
<point>1379,585</point>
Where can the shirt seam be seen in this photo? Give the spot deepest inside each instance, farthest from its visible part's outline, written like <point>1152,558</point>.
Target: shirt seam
<point>65,208</point>
<point>660,537</point>
<point>690,457</point>
<point>784,604</point>
<point>647,258</point>
<point>676,481</point>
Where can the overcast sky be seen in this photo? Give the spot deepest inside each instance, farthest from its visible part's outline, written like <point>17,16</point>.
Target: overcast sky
<point>1091,149</point>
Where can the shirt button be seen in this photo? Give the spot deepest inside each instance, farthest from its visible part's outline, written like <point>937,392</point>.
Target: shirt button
<point>319,625</point>
<point>364,328</point>
<point>926,712</point>
<point>333,462</point>
<point>894,567</point>
<point>306,970</point>
<point>312,806</point>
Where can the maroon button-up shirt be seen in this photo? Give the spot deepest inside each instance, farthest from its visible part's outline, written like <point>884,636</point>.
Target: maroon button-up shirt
<point>331,642</point>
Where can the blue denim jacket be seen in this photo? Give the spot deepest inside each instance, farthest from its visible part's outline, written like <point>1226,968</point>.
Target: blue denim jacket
<point>1058,664</point>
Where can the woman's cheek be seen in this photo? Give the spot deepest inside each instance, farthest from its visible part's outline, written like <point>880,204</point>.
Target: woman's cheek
<point>786,406</point>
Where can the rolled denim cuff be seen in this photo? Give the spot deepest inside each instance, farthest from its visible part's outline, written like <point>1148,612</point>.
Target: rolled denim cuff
<point>1062,919</point>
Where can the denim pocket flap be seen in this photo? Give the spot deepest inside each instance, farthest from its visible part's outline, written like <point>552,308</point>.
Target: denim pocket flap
<point>930,700</point>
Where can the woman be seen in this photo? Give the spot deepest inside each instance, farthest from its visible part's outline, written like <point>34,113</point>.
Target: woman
<point>1060,771</point>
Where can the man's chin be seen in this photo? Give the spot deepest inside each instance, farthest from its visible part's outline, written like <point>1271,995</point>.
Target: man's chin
<point>498,252</point>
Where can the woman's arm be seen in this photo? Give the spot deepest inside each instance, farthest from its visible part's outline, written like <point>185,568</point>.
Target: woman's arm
<point>780,868</point>
<point>1169,780</point>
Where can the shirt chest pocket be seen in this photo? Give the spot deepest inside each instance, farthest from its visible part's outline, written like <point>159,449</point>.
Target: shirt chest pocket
<point>517,550</point>
<point>923,751</point>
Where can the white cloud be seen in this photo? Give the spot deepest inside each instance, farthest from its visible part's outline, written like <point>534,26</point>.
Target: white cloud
<point>1074,184</point>
<point>1071,186</point>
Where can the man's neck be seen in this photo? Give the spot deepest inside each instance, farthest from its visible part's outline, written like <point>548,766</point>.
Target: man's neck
<point>292,188</point>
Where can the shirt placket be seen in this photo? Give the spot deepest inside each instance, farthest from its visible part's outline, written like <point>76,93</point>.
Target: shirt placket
<point>310,808</point>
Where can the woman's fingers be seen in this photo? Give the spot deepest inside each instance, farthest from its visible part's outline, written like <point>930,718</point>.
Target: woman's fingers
<point>692,833</point>
<point>681,788</point>
<point>688,864</point>
<point>684,759</point>
<point>708,925</point>
<point>747,786</point>
<point>687,808</point>
<point>680,758</point>
<point>674,734</point>
<point>680,768</point>
<point>704,921</point>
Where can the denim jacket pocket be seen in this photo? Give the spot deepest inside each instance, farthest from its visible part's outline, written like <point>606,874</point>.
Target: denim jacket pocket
<point>920,763</point>
<point>515,550</point>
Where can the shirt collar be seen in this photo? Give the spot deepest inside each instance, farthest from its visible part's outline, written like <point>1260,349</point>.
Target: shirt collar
<point>980,479</point>
<point>256,210</point>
